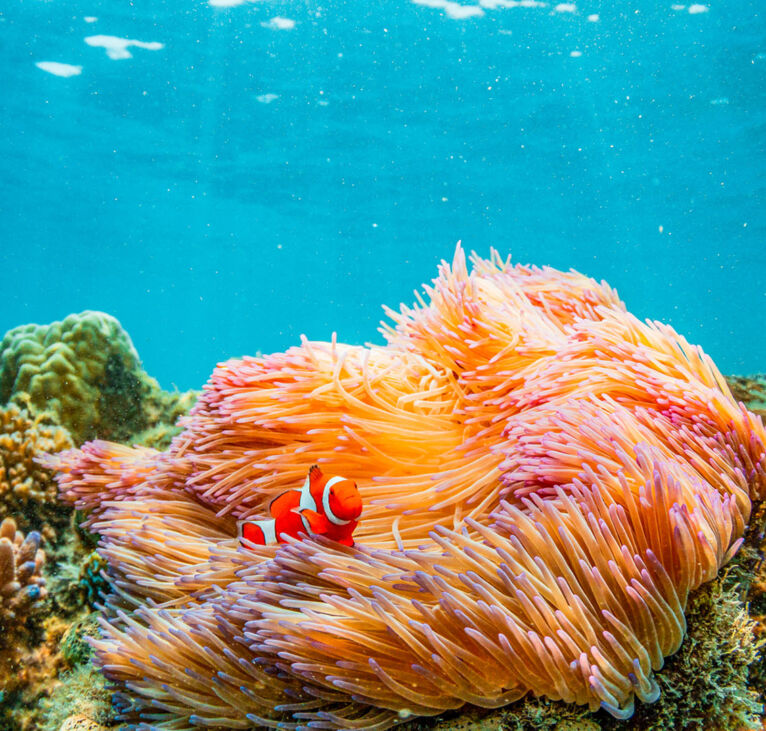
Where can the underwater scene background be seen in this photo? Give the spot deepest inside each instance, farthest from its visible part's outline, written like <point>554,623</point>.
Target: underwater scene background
<point>556,510</point>
<point>224,176</point>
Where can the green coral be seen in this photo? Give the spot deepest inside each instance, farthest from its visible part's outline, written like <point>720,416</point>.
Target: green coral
<point>75,648</point>
<point>82,690</point>
<point>85,371</point>
<point>92,583</point>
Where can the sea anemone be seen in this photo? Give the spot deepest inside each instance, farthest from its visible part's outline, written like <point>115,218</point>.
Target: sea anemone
<point>545,479</point>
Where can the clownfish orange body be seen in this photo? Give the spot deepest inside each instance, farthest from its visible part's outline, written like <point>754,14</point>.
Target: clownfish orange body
<point>323,506</point>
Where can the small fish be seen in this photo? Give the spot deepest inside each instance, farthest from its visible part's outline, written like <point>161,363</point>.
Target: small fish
<point>323,506</point>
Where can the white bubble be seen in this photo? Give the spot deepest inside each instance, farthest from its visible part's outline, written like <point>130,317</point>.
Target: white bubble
<point>117,48</point>
<point>59,69</point>
<point>266,98</point>
<point>452,9</point>
<point>279,23</point>
<point>576,54</point>
<point>696,9</point>
<point>566,8</point>
<point>458,11</point>
<point>90,19</point>
<point>594,18</point>
<point>493,4</point>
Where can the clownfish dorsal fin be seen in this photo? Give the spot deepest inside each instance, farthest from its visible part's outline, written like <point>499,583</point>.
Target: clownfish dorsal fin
<point>281,503</point>
<point>315,475</point>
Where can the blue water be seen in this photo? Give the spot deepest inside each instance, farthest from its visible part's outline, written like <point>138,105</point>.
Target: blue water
<point>253,179</point>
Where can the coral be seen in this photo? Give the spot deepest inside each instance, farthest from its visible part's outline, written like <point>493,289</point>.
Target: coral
<point>86,372</point>
<point>27,490</point>
<point>530,714</point>
<point>91,582</point>
<point>546,481</point>
<point>22,585</point>
<point>75,649</point>
<point>751,390</point>
<point>23,662</point>
<point>756,596</point>
<point>156,437</point>
<point>81,693</point>
<point>78,722</point>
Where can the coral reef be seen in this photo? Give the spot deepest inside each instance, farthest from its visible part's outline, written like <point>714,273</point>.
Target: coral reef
<point>80,374</point>
<point>79,722</point>
<point>546,482</point>
<point>22,591</point>
<point>86,372</point>
<point>27,490</point>
<point>751,390</point>
<point>22,585</point>
<point>755,583</point>
<point>81,691</point>
<point>75,648</point>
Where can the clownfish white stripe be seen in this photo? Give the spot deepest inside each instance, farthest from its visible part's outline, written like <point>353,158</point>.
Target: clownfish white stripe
<point>307,501</point>
<point>326,502</point>
<point>267,527</point>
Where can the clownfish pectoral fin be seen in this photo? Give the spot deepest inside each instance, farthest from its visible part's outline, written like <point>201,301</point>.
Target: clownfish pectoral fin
<point>315,475</point>
<point>317,522</point>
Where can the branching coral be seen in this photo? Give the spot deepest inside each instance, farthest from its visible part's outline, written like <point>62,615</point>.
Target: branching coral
<point>544,478</point>
<point>22,589</point>
<point>85,371</point>
<point>21,583</point>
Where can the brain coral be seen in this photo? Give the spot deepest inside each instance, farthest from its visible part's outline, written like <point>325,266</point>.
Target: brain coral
<point>85,371</point>
<point>545,479</point>
<point>27,489</point>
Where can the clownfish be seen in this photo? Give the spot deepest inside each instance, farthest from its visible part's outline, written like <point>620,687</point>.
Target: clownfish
<point>323,506</point>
